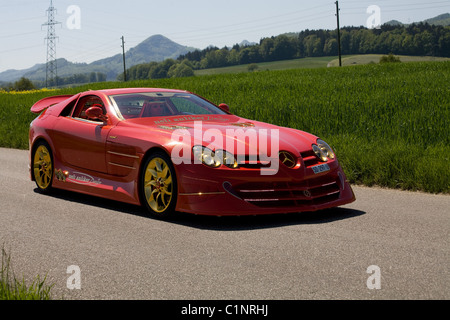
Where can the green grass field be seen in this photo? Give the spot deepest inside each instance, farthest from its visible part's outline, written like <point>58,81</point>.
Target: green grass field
<point>387,123</point>
<point>310,63</point>
<point>375,58</point>
<point>304,63</point>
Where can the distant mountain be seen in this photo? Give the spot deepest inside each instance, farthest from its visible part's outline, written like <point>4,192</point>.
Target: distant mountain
<point>156,48</point>
<point>440,20</point>
<point>13,75</point>
<point>246,43</point>
<point>65,69</point>
<point>394,23</point>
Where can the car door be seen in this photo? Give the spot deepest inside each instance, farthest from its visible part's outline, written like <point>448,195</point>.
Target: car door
<point>81,142</point>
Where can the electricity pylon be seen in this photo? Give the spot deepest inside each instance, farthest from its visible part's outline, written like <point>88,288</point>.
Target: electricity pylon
<point>51,75</point>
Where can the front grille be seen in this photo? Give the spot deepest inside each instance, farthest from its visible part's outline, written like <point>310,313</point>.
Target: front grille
<point>290,194</point>
<point>252,162</point>
<point>309,158</point>
<point>251,165</point>
<point>247,162</point>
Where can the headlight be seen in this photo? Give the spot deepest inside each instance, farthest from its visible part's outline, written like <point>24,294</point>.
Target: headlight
<point>206,156</point>
<point>227,158</point>
<point>214,159</point>
<point>323,151</point>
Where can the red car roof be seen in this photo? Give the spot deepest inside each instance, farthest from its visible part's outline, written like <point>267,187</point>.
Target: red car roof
<point>50,101</point>
<point>136,90</point>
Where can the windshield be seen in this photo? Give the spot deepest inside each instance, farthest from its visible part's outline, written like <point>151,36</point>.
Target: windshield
<point>160,104</point>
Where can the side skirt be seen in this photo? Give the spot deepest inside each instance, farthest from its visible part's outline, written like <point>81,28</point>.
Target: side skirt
<point>95,184</point>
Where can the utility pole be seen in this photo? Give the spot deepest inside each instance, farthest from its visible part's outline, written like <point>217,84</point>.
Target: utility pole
<point>51,75</point>
<point>338,34</point>
<point>123,53</point>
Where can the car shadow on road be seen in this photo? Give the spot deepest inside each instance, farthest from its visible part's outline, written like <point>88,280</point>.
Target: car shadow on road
<point>224,223</point>
<point>242,223</point>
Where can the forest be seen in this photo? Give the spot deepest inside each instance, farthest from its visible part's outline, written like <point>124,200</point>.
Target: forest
<point>420,39</point>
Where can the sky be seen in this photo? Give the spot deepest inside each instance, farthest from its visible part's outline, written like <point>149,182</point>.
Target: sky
<point>90,30</point>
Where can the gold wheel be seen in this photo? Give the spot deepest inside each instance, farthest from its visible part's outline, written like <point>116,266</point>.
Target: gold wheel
<point>43,167</point>
<point>159,185</point>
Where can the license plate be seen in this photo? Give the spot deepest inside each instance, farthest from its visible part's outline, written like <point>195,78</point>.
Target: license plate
<point>321,168</point>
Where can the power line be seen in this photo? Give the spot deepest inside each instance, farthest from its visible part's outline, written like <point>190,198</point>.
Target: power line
<point>19,49</point>
<point>19,34</point>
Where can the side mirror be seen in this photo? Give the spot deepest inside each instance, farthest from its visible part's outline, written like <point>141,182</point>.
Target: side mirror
<point>96,113</point>
<point>224,107</point>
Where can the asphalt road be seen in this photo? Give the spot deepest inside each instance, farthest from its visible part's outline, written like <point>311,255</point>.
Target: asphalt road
<point>386,245</point>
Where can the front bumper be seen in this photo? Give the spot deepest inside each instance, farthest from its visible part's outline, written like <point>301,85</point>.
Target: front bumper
<point>246,192</point>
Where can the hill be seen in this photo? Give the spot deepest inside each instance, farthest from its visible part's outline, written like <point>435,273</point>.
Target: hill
<point>155,48</point>
<point>440,20</point>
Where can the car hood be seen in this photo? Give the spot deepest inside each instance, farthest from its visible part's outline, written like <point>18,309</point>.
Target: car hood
<point>226,132</point>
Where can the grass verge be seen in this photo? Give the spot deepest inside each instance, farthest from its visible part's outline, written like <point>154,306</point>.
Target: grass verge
<point>12,288</point>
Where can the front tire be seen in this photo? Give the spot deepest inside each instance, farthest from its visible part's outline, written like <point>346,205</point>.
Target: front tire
<point>43,167</point>
<point>159,185</point>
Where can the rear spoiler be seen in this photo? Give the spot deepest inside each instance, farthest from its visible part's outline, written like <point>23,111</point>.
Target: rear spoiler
<point>43,104</point>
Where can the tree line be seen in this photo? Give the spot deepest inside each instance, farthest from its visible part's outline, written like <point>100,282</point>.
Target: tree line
<point>420,39</point>
<point>168,68</point>
<point>79,78</point>
<point>24,84</point>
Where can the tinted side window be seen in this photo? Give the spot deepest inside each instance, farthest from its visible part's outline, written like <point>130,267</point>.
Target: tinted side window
<point>85,103</point>
<point>68,109</point>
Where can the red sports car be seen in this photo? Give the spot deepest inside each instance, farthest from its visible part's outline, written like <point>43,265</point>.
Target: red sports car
<point>173,151</point>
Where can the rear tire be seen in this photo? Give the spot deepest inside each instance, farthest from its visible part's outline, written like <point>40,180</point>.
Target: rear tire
<point>43,167</point>
<point>159,185</point>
